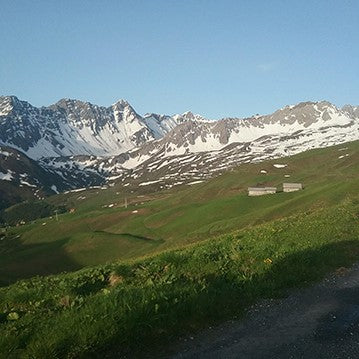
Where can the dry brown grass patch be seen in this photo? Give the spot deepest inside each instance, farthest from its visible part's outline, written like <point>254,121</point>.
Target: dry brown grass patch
<point>114,279</point>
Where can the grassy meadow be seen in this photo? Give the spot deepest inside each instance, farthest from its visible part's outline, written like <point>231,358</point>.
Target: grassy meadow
<point>172,262</point>
<point>153,222</point>
<point>131,307</point>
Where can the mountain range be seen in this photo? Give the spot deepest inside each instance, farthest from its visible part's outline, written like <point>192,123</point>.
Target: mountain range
<point>73,144</point>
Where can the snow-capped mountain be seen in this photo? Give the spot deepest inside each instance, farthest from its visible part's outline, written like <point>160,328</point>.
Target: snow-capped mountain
<point>309,124</point>
<point>90,145</point>
<point>72,127</point>
<point>199,136</point>
<point>159,125</point>
<point>198,149</point>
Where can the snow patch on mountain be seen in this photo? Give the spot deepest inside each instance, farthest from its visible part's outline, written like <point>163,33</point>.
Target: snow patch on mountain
<point>72,127</point>
<point>89,145</point>
<point>7,176</point>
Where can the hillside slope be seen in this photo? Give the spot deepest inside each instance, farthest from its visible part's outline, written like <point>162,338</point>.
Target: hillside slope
<point>127,308</point>
<point>102,229</point>
<point>22,178</point>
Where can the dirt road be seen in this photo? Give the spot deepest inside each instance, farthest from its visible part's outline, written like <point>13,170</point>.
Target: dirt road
<point>321,321</point>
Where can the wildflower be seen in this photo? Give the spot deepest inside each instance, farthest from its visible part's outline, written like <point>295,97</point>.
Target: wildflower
<point>268,261</point>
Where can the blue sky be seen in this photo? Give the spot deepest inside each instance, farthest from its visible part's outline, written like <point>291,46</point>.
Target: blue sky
<point>216,58</point>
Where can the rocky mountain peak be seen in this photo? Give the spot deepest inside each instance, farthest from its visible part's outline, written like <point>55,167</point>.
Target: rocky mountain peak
<point>74,127</point>
<point>351,110</point>
<point>304,114</point>
<point>123,111</point>
<point>68,103</point>
<point>156,116</point>
<point>188,116</point>
<point>11,103</point>
<point>121,103</point>
<point>73,106</point>
<point>125,107</point>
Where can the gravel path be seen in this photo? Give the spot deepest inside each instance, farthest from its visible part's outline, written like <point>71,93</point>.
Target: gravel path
<point>321,321</point>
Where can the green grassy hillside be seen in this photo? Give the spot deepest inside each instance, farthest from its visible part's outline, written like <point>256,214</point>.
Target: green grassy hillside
<point>96,234</point>
<point>128,307</point>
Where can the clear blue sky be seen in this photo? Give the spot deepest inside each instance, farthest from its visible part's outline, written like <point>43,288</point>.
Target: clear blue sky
<point>216,58</point>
